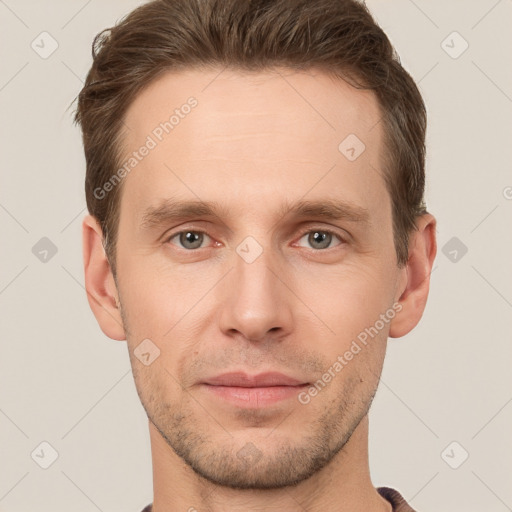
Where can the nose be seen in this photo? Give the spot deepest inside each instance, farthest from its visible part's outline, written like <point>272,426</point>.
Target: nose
<point>257,302</point>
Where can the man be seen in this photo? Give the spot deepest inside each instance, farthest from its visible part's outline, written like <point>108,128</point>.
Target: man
<point>257,231</point>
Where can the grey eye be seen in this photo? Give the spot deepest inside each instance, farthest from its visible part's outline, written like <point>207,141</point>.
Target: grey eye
<point>319,239</point>
<point>190,239</point>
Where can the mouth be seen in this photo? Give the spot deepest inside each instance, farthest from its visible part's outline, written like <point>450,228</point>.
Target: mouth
<point>253,391</point>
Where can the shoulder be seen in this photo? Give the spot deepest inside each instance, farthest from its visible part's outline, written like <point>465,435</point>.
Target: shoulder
<point>395,498</point>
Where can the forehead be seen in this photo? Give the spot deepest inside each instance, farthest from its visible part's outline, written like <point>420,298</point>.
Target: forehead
<point>227,135</point>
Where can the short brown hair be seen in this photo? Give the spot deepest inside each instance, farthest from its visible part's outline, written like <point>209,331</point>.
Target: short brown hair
<point>339,37</point>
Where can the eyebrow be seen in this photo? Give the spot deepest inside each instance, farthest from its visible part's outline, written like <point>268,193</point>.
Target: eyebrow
<point>171,210</point>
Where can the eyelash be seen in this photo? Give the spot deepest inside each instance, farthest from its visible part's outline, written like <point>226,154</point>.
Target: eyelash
<point>313,230</point>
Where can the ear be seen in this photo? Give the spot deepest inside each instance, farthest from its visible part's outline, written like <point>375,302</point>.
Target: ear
<point>415,280</point>
<point>99,281</point>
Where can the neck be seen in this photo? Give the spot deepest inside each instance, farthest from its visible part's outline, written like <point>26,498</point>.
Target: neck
<point>343,485</point>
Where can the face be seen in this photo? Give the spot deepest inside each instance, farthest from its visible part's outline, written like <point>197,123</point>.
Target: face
<point>255,239</point>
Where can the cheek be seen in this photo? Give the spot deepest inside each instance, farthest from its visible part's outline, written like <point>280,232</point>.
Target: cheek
<point>170,308</point>
<point>348,298</point>
<point>153,299</point>
<point>350,304</point>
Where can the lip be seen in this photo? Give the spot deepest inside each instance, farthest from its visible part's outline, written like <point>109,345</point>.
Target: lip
<point>261,380</point>
<point>253,391</point>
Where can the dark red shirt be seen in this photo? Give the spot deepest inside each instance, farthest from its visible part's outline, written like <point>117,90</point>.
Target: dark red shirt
<point>394,497</point>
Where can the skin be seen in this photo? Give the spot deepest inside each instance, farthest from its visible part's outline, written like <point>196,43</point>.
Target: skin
<point>252,144</point>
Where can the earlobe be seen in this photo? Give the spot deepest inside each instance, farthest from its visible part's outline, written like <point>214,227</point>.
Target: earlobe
<point>416,276</point>
<point>99,281</point>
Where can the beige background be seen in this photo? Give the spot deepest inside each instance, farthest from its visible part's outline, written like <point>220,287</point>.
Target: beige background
<point>62,381</point>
